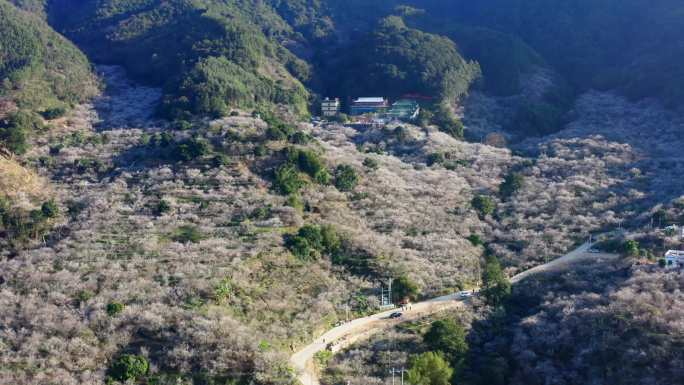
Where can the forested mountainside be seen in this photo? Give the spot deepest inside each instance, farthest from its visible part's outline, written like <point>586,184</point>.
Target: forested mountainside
<point>39,68</point>
<point>211,55</point>
<point>42,75</point>
<point>207,54</point>
<point>631,46</point>
<point>170,215</point>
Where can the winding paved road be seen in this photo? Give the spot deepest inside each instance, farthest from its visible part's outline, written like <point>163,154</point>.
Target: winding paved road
<point>348,333</point>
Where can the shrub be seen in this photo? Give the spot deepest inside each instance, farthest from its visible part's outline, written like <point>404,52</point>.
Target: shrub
<point>276,133</point>
<point>300,137</point>
<point>496,287</point>
<point>630,248</point>
<point>312,241</point>
<point>163,207</point>
<point>260,150</point>
<point>15,131</point>
<point>475,240</point>
<point>261,213</point>
<point>182,125</point>
<point>309,162</point>
<point>448,122</point>
<point>323,177</point>
<point>84,296</point>
<point>435,158</point>
<point>223,290</point>
<point>54,113</point>
<point>193,149</point>
<point>341,118</point>
<point>511,184</point>
<point>323,357</point>
<point>302,249</point>
<point>403,288</point>
<point>370,163</point>
<point>425,117</point>
<point>114,308</point>
<point>295,201</point>
<point>305,161</point>
<point>401,134</point>
<point>429,368</point>
<point>484,205</point>
<point>49,209</point>
<point>346,178</point>
<point>129,367</point>
<point>188,234</point>
<point>277,128</point>
<point>220,160</point>
<point>332,242</point>
<point>287,180</point>
<point>145,139</point>
<point>448,337</point>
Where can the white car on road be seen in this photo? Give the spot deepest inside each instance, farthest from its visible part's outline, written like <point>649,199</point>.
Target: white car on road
<point>465,294</point>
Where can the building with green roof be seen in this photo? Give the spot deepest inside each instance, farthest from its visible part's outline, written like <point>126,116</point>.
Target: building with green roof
<point>404,109</point>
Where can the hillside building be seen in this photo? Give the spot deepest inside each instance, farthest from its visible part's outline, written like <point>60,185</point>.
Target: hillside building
<point>404,109</point>
<point>674,259</point>
<point>330,107</point>
<point>373,105</point>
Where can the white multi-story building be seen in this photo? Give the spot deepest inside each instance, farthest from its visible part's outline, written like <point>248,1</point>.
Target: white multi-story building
<point>674,259</point>
<point>330,107</point>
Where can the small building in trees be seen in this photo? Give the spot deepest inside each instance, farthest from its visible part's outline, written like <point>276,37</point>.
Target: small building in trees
<point>330,107</point>
<point>404,109</point>
<point>674,259</point>
<point>368,105</point>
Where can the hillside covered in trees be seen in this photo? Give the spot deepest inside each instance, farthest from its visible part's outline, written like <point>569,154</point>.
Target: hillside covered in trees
<point>39,69</point>
<point>170,215</point>
<point>211,55</point>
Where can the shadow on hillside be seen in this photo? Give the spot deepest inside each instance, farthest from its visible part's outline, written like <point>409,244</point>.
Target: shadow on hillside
<point>535,305</point>
<point>124,104</point>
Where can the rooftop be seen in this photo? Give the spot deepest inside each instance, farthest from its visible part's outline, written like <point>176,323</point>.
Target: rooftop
<point>405,102</point>
<point>370,100</point>
<point>674,253</point>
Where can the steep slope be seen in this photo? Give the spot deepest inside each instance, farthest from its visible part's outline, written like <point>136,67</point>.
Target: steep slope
<point>41,72</point>
<point>39,68</point>
<point>604,325</point>
<point>395,60</point>
<point>609,44</point>
<point>209,55</point>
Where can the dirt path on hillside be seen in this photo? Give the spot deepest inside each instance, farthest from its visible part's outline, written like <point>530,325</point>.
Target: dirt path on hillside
<point>345,335</point>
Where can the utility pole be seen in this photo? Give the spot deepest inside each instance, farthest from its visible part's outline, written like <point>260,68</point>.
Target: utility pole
<point>546,254</point>
<point>395,370</point>
<point>386,299</point>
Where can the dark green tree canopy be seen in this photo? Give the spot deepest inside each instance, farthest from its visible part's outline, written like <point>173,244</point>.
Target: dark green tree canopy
<point>496,287</point>
<point>403,288</point>
<point>448,337</point>
<point>429,368</point>
<point>399,60</point>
